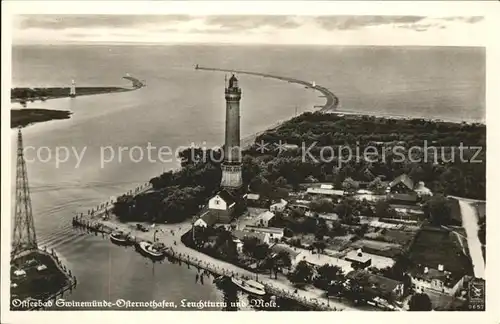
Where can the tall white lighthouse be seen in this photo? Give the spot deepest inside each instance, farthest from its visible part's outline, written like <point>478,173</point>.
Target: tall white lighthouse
<point>72,90</point>
<point>231,166</point>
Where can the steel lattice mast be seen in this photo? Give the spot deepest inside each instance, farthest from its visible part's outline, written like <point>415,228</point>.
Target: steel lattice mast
<point>24,237</point>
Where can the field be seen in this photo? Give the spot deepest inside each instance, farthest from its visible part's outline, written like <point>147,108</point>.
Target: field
<point>385,249</point>
<point>435,246</point>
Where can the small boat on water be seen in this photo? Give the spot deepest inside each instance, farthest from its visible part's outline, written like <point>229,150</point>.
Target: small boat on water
<point>120,238</point>
<point>151,250</point>
<point>250,286</point>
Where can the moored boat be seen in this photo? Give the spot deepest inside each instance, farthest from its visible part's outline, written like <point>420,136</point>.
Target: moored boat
<point>250,286</point>
<point>120,238</point>
<point>151,250</point>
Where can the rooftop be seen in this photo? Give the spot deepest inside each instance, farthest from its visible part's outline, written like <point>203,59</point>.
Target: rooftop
<point>265,216</point>
<point>239,234</point>
<point>271,230</point>
<point>383,284</point>
<point>445,276</point>
<point>356,255</point>
<point>209,218</point>
<point>325,191</point>
<point>252,196</point>
<point>322,259</point>
<point>404,179</point>
<point>226,196</point>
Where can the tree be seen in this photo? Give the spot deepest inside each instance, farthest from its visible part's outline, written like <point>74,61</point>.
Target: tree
<point>319,245</point>
<point>438,210</point>
<point>322,205</point>
<point>302,273</point>
<point>377,186</point>
<point>358,290</point>
<point>281,182</point>
<point>327,274</point>
<point>250,245</point>
<point>420,302</point>
<point>350,185</point>
<point>284,259</point>
<point>361,231</point>
<point>261,251</point>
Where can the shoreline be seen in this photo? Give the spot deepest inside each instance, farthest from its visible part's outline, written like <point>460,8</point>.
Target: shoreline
<point>29,116</point>
<point>47,93</point>
<point>23,117</point>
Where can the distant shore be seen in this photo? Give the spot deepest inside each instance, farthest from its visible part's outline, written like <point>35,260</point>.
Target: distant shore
<point>27,116</point>
<point>26,95</point>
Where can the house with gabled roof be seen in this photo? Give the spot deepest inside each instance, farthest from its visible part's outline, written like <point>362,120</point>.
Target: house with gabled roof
<point>402,189</point>
<point>222,205</point>
<point>207,219</point>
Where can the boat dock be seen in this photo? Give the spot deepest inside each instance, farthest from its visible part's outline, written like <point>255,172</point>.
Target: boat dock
<point>332,101</point>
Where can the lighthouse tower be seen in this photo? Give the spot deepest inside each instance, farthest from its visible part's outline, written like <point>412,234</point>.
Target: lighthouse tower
<point>231,166</point>
<point>72,90</point>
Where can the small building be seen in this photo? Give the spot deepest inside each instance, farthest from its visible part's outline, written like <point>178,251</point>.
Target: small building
<point>207,219</point>
<point>422,190</point>
<point>222,205</point>
<point>252,197</point>
<point>329,192</point>
<point>279,206</point>
<point>241,235</point>
<point>436,280</point>
<point>299,207</point>
<point>255,200</point>
<point>318,260</point>
<point>379,285</point>
<point>358,259</point>
<point>275,233</point>
<point>401,184</point>
<point>19,273</point>
<point>329,217</point>
<point>402,189</point>
<point>264,218</point>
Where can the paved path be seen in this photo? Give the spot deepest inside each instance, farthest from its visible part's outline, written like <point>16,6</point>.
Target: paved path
<point>470,224</point>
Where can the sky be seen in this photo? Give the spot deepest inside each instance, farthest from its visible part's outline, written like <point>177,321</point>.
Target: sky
<point>249,29</point>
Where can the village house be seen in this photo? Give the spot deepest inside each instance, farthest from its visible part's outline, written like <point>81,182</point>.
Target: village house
<point>275,233</point>
<point>255,200</point>
<point>436,280</point>
<point>264,218</point>
<point>403,189</point>
<point>207,219</point>
<point>279,206</point>
<point>241,235</point>
<point>379,285</point>
<point>318,260</point>
<point>358,259</point>
<point>325,190</point>
<point>222,205</point>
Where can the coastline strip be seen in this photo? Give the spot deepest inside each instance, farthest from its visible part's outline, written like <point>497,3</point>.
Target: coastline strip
<point>332,101</point>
